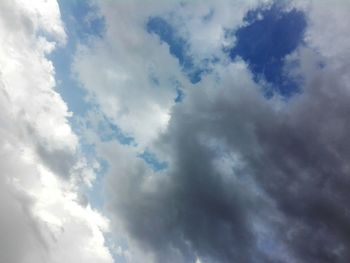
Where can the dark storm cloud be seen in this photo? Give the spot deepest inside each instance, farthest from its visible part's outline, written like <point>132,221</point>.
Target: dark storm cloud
<point>193,209</point>
<point>297,155</point>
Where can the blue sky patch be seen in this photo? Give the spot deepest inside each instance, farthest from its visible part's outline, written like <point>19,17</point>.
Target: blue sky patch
<point>152,160</point>
<point>82,22</point>
<point>270,35</point>
<point>95,194</point>
<point>177,46</point>
<point>109,131</point>
<point>82,19</point>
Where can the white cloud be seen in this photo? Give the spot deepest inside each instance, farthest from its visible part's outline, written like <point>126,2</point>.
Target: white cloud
<point>328,27</point>
<point>207,37</point>
<point>117,72</point>
<point>41,218</point>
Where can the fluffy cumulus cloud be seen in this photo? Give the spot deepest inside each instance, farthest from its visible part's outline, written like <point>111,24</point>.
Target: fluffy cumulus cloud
<point>41,219</point>
<point>131,47</point>
<point>220,128</point>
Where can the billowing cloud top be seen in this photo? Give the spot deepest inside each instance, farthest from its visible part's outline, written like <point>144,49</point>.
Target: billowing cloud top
<point>169,131</point>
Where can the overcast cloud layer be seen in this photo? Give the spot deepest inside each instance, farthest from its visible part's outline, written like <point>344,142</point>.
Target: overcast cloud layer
<point>213,132</point>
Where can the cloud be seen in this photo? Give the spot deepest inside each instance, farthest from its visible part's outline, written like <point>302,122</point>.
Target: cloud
<point>41,219</point>
<point>285,176</point>
<point>329,38</point>
<point>107,70</point>
<point>192,210</point>
<point>250,179</point>
<point>107,67</point>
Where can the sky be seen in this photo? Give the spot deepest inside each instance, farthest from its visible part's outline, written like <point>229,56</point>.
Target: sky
<point>174,131</point>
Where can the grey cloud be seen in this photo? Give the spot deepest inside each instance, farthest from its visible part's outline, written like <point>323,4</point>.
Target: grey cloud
<point>22,238</point>
<point>249,179</point>
<point>293,177</point>
<point>21,241</point>
<point>193,211</point>
<point>60,161</point>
